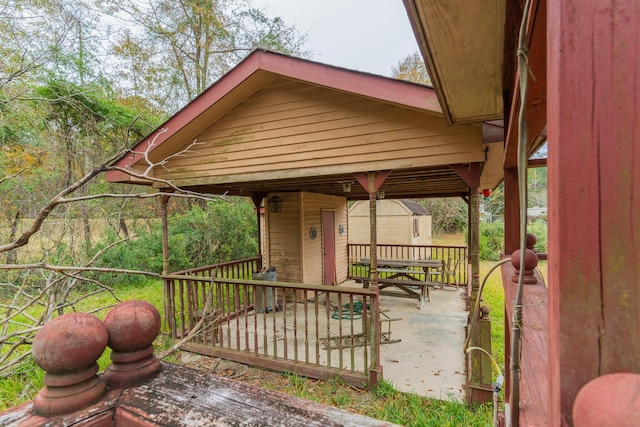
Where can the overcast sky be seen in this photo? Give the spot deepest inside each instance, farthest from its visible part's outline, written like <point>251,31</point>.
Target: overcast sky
<point>364,35</point>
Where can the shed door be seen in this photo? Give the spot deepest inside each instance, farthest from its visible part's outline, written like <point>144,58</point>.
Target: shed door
<point>328,248</point>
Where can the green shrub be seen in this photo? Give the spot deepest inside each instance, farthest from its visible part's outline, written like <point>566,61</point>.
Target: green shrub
<point>218,233</point>
<point>491,240</point>
<point>538,227</point>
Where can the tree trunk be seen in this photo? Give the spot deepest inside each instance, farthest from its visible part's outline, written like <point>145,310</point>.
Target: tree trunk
<point>12,256</point>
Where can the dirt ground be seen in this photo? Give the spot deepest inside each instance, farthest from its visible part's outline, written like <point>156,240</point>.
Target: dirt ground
<point>229,369</point>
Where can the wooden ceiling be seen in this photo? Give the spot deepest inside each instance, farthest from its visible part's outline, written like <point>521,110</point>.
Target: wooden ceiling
<point>462,44</point>
<point>441,181</point>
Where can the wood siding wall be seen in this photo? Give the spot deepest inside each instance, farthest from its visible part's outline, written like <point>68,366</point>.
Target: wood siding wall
<point>313,205</point>
<point>288,126</point>
<point>284,243</point>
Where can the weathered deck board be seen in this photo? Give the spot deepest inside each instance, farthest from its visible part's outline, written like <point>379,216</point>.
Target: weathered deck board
<point>180,396</point>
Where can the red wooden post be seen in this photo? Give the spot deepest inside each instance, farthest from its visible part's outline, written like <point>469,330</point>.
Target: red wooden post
<point>594,194</point>
<point>511,211</point>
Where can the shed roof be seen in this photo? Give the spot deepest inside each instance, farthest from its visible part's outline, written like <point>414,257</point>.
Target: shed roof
<point>415,207</point>
<point>278,123</point>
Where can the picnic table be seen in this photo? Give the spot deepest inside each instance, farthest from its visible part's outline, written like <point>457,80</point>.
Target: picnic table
<point>409,275</point>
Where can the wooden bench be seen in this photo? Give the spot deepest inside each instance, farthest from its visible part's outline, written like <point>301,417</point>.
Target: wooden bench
<point>405,285</point>
<point>401,271</point>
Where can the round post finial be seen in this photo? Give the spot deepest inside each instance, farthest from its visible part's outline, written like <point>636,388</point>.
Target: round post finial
<point>531,240</point>
<point>530,263</point>
<point>67,348</point>
<point>132,327</point>
<point>609,400</point>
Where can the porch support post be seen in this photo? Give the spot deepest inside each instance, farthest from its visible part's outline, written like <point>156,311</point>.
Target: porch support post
<point>594,199</point>
<point>372,183</point>
<point>479,370</point>
<point>167,285</point>
<point>257,201</point>
<point>164,200</point>
<point>511,211</point>
<point>478,379</point>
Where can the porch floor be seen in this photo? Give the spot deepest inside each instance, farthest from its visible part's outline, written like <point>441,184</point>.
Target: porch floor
<point>429,359</point>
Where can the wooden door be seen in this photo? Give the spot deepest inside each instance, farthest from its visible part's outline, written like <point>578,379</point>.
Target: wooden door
<point>328,248</point>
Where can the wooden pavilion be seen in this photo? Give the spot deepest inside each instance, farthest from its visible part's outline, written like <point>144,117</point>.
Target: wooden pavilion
<point>292,134</point>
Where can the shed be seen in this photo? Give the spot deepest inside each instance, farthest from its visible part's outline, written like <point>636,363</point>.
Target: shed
<point>401,222</point>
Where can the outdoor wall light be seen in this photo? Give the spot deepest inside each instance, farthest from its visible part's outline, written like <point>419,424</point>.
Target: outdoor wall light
<point>380,194</point>
<point>275,203</point>
<point>346,187</point>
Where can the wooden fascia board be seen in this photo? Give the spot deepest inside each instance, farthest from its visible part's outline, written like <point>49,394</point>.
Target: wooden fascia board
<point>417,24</point>
<point>536,101</point>
<point>323,170</point>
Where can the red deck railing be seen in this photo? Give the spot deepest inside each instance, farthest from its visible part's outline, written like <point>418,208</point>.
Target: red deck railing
<point>534,365</point>
<point>314,330</point>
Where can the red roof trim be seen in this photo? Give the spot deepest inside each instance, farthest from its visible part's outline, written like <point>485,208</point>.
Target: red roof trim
<point>369,85</point>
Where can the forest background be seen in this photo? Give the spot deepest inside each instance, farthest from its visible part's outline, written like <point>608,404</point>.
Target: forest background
<point>81,81</point>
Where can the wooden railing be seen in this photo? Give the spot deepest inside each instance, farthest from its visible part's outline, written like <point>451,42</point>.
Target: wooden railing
<point>457,255</point>
<point>240,269</point>
<point>313,330</point>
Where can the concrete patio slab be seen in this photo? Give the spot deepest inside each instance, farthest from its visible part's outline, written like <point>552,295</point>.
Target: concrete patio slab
<point>429,359</point>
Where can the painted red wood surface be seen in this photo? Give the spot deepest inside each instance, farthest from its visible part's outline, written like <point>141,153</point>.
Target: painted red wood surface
<point>534,365</point>
<point>594,194</point>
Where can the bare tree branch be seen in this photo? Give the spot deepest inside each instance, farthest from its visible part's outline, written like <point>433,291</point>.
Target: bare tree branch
<point>46,210</point>
<point>103,167</point>
<point>183,194</point>
<point>54,292</point>
<point>8,177</point>
<point>63,268</point>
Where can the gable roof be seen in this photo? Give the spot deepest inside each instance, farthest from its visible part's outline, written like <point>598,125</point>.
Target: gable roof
<point>278,123</point>
<point>253,73</point>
